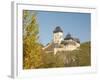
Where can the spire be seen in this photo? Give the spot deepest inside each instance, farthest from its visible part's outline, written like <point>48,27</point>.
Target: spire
<point>68,36</point>
<point>57,29</point>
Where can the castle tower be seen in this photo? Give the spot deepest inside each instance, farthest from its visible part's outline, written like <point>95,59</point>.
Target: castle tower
<point>57,35</point>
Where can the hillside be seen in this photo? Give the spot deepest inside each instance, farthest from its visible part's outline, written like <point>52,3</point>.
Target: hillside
<point>85,54</point>
<point>80,57</point>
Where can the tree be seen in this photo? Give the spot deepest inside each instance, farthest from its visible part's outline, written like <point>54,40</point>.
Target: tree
<point>32,57</point>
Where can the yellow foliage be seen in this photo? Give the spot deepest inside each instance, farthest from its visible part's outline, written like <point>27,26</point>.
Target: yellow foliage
<point>32,56</point>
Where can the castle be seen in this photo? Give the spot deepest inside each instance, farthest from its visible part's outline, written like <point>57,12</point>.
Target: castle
<point>60,43</point>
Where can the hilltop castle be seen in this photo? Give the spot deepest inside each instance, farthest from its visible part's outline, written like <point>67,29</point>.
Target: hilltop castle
<point>60,43</point>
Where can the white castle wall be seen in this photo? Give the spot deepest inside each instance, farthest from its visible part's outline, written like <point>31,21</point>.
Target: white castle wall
<point>58,37</point>
<point>67,48</point>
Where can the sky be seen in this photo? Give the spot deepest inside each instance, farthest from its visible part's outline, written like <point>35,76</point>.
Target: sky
<point>77,24</point>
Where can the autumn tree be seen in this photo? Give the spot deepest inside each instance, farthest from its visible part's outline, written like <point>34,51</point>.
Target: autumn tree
<point>32,57</point>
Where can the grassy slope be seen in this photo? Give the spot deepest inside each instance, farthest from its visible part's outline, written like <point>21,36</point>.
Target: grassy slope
<point>79,57</point>
<point>85,54</point>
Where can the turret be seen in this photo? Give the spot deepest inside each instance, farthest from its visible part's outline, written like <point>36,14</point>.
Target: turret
<point>57,35</point>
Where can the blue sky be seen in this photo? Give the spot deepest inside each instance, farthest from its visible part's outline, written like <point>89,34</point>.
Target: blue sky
<point>77,24</point>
